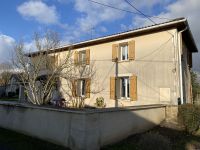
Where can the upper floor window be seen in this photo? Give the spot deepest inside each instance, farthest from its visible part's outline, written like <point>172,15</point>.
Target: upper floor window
<point>124,52</point>
<point>82,57</point>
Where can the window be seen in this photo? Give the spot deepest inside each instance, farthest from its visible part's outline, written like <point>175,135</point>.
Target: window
<point>124,52</point>
<point>125,87</point>
<point>82,87</point>
<point>82,57</point>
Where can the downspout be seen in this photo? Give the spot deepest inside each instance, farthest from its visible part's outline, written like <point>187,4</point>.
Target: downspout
<point>180,62</point>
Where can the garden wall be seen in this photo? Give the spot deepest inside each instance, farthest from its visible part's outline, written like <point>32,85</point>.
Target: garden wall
<point>80,129</point>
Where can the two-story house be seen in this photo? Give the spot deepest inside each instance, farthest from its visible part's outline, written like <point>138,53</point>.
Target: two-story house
<point>149,65</point>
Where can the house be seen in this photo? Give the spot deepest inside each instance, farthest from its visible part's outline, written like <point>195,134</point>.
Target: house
<point>13,85</point>
<point>149,65</point>
<point>2,88</point>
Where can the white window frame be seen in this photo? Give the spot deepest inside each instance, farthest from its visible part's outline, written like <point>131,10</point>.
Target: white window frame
<point>124,47</point>
<point>82,93</point>
<point>82,60</point>
<point>127,88</point>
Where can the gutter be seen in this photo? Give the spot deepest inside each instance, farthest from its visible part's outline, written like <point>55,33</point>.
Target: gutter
<point>180,62</point>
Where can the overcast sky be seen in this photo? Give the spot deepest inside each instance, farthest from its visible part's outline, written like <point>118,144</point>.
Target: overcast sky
<point>73,19</point>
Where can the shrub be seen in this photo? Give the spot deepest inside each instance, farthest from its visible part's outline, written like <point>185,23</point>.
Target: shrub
<point>3,94</point>
<point>100,102</point>
<point>154,141</point>
<point>11,94</point>
<point>189,116</point>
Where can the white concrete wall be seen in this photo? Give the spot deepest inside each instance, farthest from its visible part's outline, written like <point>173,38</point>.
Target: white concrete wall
<point>83,129</point>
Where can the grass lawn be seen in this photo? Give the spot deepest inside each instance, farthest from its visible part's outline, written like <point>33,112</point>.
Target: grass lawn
<point>8,98</point>
<point>10,140</point>
<point>179,140</point>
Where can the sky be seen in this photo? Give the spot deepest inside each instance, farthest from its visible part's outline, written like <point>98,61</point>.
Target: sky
<point>78,20</point>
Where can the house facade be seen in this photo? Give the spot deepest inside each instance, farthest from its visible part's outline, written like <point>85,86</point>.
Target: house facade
<point>149,65</point>
<point>13,84</point>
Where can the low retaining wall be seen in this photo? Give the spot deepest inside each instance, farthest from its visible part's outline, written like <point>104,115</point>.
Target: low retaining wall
<point>82,129</point>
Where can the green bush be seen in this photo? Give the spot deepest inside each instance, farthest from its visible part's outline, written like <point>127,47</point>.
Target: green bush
<point>189,116</point>
<point>11,94</point>
<point>100,102</point>
<point>154,141</point>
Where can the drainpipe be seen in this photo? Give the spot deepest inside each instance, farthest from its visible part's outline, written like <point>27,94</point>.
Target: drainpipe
<point>116,75</point>
<point>180,63</point>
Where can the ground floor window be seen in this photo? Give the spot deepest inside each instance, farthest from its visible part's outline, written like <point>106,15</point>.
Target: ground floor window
<point>81,87</point>
<point>125,87</point>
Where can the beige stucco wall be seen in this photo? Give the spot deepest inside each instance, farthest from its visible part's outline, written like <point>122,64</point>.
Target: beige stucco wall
<point>79,130</point>
<point>155,65</point>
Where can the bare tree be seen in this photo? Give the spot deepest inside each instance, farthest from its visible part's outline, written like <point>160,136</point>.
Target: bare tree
<point>5,74</point>
<point>41,70</point>
<point>78,72</point>
<point>44,69</point>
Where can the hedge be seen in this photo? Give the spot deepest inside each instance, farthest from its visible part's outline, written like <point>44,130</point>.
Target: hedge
<point>189,116</point>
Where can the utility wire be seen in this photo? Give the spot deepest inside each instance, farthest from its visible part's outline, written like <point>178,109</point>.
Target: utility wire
<point>128,11</point>
<point>142,59</point>
<point>161,47</point>
<point>140,11</point>
<point>144,15</point>
<point>146,84</point>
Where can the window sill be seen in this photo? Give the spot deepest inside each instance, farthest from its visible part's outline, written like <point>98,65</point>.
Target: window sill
<point>82,64</point>
<point>122,61</point>
<point>124,99</point>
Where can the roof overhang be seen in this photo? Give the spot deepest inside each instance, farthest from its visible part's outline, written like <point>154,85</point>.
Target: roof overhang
<point>189,39</point>
<point>179,24</point>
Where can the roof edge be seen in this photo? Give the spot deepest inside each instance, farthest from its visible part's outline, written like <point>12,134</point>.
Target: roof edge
<point>157,27</point>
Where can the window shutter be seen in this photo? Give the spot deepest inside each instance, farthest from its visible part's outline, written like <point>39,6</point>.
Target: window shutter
<point>114,52</point>
<point>131,50</point>
<point>56,60</point>
<point>112,87</point>
<point>87,56</point>
<point>74,88</point>
<point>76,57</point>
<point>88,84</point>
<point>133,88</point>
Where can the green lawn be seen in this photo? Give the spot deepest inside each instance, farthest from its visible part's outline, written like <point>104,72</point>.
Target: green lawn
<point>8,98</point>
<point>10,140</point>
<point>179,140</point>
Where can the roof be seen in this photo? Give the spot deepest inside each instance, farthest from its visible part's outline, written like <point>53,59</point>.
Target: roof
<point>179,23</point>
<point>16,76</point>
